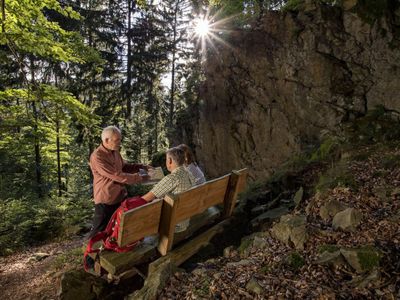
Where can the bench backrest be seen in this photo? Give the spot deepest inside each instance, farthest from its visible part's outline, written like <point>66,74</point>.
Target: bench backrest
<point>161,216</point>
<point>139,222</point>
<point>176,208</point>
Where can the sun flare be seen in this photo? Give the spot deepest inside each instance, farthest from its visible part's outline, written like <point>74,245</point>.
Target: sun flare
<point>202,27</point>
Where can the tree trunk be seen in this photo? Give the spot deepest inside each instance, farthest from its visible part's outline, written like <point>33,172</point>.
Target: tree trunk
<point>172,96</point>
<point>38,158</point>
<point>3,14</point>
<point>58,158</point>
<point>127,91</point>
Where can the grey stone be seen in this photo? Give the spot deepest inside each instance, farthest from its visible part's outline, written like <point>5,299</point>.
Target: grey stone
<point>76,285</point>
<point>330,209</point>
<point>269,215</point>
<point>349,4</point>
<point>330,258</point>
<point>254,286</point>
<point>298,197</point>
<point>262,114</point>
<point>39,256</point>
<point>291,230</point>
<point>347,220</point>
<point>363,281</point>
<point>241,263</point>
<point>228,251</point>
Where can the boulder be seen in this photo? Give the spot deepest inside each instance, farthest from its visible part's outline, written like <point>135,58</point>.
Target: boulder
<point>330,258</point>
<point>361,259</point>
<point>347,220</point>
<point>298,197</point>
<point>39,256</point>
<point>330,209</point>
<point>254,286</point>
<point>78,285</point>
<point>269,215</point>
<point>291,230</point>
<point>349,4</point>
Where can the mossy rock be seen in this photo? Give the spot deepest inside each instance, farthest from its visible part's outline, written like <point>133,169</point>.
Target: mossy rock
<point>362,259</point>
<point>291,230</point>
<point>328,248</point>
<point>339,175</point>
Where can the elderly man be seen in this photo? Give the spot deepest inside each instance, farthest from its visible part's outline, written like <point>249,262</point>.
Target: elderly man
<point>176,182</point>
<point>110,174</point>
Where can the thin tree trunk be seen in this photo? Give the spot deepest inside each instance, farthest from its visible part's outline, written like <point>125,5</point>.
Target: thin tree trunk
<point>172,96</point>
<point>38,158</point>
<point>3,14</point>
<point>58,158</point>
<point>128,113</point>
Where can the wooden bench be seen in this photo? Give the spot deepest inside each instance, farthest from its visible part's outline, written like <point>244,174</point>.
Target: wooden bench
<point>159,218</point>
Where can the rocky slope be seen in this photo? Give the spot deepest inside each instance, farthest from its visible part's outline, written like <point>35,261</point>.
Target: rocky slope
<point>291,77</point>
<point>341,242</point>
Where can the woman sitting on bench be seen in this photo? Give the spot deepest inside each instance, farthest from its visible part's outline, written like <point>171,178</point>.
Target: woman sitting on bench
<point>196,174</point>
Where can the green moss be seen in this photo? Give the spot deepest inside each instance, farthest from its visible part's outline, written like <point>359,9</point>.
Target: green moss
<point>369,258</point>
<point>293,5</point>
<point>264,269</point>
<point>390,161</point>
<point>295,260</point>
<point>329,149</point>
<point>339,175</point>
<point>328,248</point>
<point>246,242</point>
<point>72,257</point>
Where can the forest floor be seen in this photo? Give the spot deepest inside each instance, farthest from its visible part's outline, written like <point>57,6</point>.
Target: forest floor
<point>262,267</point>
<point>36,273</point>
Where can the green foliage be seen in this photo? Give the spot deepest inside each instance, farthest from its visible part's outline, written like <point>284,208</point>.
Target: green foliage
<point>390,162</point>
<point>372,10</point>
<point>328,150</point>
<point>379,125</point>
<point>338,175</point>
<point>264,270</point>
<point>138,189</point>
<point>71,257</point>
<point>295,260</point>
<point>158,160</point>
<point>293,5</point>
<point>328,248</point>
<point>27,221</point>
<point>27,29</point>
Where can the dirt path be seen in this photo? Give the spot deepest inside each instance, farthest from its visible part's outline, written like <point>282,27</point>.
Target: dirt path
<point>26,275</point>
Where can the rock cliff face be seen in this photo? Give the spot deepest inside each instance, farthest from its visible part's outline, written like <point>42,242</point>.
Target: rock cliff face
<point>290,78</point>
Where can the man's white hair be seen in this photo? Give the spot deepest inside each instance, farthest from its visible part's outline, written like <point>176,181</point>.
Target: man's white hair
<point>109,131</point>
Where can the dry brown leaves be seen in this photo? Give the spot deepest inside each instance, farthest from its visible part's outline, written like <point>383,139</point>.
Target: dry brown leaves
<point>220,279</point>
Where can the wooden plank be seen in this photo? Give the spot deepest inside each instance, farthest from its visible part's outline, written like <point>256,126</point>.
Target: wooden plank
<point>236,184</point>
<point>140,222</point>
<point>115,263</point>
<point>197,222</point>
<point>198,199</point>
<point>167,224</point>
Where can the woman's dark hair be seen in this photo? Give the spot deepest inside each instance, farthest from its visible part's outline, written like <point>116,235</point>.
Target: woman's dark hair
<point>189,156</point>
